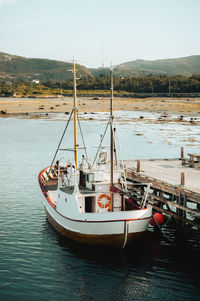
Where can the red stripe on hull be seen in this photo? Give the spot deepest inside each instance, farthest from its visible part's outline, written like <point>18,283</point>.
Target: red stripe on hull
<point>42,188</point>
<point>111,240</point>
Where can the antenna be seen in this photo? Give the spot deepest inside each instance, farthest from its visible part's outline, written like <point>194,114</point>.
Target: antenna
<point>103,54</point>
<point>122,52</point>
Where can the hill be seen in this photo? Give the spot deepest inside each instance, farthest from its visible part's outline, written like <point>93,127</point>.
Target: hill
<point>185,66</point>
<point>14,67</point>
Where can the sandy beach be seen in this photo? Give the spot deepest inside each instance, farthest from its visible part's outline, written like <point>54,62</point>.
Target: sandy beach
<point>170,105</point>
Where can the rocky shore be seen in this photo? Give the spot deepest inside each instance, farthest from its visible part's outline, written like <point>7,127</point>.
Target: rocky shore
<point>170,105</point>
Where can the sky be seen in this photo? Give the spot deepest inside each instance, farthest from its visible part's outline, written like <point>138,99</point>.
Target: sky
<point>100,32</point>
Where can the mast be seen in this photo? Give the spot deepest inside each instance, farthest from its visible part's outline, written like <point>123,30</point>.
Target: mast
<point>75,118</point>
<point>111,135</point>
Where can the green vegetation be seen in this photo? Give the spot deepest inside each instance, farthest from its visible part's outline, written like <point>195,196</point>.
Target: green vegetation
<point>101,85</point>
<point>18,74</point>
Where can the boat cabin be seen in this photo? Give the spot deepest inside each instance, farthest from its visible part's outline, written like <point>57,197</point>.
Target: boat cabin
<point>93,186</point>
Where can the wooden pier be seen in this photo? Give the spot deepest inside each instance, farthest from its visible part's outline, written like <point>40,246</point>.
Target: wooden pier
<point>175,186</point>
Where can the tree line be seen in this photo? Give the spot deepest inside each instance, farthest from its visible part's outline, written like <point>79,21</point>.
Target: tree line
<point>148,84</point>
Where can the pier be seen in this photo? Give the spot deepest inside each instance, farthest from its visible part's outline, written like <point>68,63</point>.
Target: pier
<point>175,186</point>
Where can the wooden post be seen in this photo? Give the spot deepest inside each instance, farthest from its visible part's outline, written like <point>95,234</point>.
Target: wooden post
<point>183,178</point>
<point>111,138</point>
<point>184,204</point>
<point>123,203</point>
<point>180,212</point>
<point>182,156</point>
<point>138,166</point>
<point>75,120</point>
<point>160,193</point>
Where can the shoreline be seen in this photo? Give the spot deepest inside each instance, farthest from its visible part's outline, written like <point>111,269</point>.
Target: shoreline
<point>186,106</point>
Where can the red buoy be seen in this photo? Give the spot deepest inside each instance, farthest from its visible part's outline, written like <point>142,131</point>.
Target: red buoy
<point>159,217</point>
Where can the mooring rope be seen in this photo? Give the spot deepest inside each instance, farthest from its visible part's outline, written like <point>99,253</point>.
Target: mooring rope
<point>161,230</point>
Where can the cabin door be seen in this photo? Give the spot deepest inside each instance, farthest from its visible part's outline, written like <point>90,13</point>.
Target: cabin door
<point>89,204</point>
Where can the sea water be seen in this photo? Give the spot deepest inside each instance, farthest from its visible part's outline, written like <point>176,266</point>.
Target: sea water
<point>36,263</point>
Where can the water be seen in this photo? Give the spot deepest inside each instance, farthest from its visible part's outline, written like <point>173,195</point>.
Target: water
<point>38,264</point>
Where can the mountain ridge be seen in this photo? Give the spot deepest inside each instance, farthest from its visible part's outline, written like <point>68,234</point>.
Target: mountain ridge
<point>13,67</point>
<point>19,67</point>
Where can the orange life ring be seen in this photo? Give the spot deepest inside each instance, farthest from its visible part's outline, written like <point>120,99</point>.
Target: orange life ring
<point>104,204</point>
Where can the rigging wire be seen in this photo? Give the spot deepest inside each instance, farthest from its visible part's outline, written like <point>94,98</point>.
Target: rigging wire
<point>100,143</point>
<point>61,140</point>
<point>82,137</point>
<point>122,161</point>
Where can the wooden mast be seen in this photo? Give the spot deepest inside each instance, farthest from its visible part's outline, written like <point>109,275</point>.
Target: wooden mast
<point>75,119</point>
<point>111,135</point>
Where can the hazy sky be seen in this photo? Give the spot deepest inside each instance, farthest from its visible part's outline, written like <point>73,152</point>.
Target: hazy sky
<point>96,31</point>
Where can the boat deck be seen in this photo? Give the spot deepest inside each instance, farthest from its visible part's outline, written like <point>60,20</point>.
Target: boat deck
<point>51,185</point>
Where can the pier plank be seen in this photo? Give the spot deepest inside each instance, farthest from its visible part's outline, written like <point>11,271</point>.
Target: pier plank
<point>169,172</point>
<point>173,185</point>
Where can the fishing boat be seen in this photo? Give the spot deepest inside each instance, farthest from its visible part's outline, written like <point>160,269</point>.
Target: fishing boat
<point>91,201</point>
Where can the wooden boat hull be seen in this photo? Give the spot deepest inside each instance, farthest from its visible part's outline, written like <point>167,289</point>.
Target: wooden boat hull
<point>109,240</point>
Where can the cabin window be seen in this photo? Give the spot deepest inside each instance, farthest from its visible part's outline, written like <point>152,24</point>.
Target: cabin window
<point>82,178</point>
<point>90,177</point>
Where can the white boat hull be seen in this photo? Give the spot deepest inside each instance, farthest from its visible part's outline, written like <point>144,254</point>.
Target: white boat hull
<point>112,231</point>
